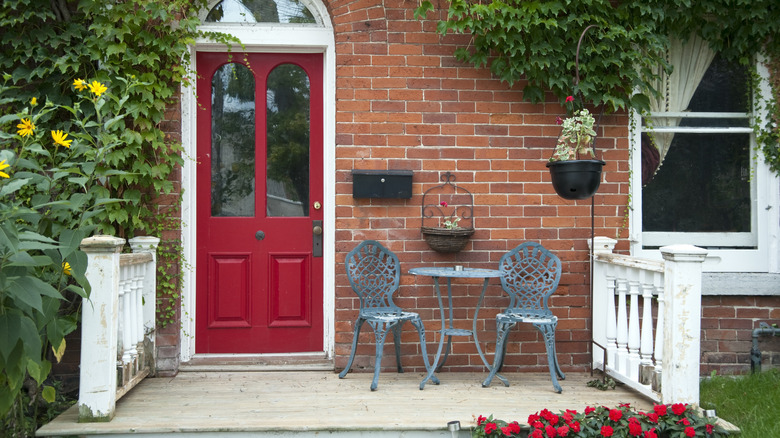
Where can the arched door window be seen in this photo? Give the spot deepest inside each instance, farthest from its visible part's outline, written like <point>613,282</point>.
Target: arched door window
<point>260,11</point>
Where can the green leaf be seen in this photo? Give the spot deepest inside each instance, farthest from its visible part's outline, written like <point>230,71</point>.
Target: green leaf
<point>70,241</point>
<point>49,394</point>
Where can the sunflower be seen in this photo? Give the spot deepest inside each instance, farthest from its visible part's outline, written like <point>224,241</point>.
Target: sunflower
<point>25,128</point>
<point>97,88</point>
<point>60,138</point>
<point>3,165</point>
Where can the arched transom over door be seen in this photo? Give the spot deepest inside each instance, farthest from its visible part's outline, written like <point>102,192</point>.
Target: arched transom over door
<point>259,219</point>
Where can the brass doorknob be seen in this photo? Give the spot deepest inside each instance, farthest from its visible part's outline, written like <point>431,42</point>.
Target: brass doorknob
<point>317,230</point>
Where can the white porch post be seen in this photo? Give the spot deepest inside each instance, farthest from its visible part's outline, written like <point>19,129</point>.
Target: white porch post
<point>682,328</point>
<point>97,386</point>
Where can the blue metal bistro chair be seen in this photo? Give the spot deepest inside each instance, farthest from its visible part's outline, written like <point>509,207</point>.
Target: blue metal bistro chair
<point>374,273</point>
<point>529,274</point>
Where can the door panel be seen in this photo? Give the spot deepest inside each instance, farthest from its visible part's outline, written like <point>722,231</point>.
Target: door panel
<point>259,284</point>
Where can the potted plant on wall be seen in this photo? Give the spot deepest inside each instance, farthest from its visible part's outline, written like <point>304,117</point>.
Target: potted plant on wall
<point>574,176</point>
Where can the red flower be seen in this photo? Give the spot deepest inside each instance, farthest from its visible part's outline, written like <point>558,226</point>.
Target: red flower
<point>653,418</point>
<point>536,434</point>
<point>606,431</point>
<point>684,421</point>
<point>660,409</point>
<point>678,408</point>
<point>709,428</point>
<point>550,431</point>
<point>634,428</point>
<point>553,419</point>
<point>481,420</point>
<point>563,431</point>
<point>443,203</point>
<point>570,99</point>
<point>575,426</point>
<point>514,427</point>
<point>490,428</point>
<point>651,434</point>
<point>615,414</point>
<point>689,431</point>
<point>537,425</point>
<point>558,120</point>
<point>506,430</point>
<point>533,418</point>
<point>589,409</point>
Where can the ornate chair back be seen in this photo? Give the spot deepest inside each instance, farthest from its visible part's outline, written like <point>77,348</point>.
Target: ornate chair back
<point>374,273</point>
<point>530,274</point>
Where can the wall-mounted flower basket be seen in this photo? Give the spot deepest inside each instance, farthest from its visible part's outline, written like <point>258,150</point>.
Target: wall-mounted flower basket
<point>447,240</point>
<point>447,216</point>
<point>577,179</point>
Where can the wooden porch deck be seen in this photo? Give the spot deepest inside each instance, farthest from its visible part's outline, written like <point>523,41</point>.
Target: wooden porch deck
<point>318,403</point>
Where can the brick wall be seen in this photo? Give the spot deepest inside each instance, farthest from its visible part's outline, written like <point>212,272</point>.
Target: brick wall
<point>404,102</point>
<point>727,327</point>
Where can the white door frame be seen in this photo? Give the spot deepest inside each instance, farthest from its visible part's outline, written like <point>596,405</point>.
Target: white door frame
<point>263,37</point>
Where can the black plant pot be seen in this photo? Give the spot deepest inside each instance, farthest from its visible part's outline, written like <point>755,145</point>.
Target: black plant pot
<point>576,179</point>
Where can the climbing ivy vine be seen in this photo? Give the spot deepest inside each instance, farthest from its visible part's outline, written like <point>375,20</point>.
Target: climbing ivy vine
<point>534,44</point>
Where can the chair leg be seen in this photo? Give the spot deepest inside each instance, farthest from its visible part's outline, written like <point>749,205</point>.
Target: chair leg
<point>397,342</point>
<point>548,331</point>
<point>380,332</point>
<point>358,324</point>
<point>502,332</point>
<point>417,323</point>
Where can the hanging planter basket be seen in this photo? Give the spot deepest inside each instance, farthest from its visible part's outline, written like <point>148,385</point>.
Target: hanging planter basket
<point>447,240</point>
<point>577,179</point>
<point>447,216</point>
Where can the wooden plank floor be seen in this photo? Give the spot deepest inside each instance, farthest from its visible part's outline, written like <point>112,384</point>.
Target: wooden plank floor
<point>320,401</point>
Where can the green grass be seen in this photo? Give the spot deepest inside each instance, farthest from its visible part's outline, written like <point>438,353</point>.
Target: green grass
<point>750,402</point>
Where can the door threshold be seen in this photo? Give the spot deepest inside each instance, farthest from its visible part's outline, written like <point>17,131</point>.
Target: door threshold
<point>257,362</point>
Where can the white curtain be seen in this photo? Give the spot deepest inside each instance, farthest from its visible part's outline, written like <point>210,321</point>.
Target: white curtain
<point>690,60</point>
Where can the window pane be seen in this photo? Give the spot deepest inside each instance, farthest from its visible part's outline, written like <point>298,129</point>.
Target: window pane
<point>287,133</point>
<point>702,186</point>
<point>233,141</point>
<point>260,11</point>
<point>724,88</point>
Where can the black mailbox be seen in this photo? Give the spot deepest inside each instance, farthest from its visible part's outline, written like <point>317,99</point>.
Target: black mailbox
<point>381,183</point>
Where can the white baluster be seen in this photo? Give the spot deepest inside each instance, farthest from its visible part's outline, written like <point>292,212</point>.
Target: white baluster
<point>659,327</point>
<point>611,324</point>
<point>124,291</point>
<point>622,324</point>
<point>633,330</point>
<point>135,302</point>
<point>138,320</point>
<point>646,347</point>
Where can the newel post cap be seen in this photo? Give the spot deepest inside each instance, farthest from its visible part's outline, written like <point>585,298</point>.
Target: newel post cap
<point>683,253</point>
<point>102,243</point>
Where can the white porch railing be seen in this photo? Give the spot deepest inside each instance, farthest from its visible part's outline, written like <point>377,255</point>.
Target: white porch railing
<point>647,320</point>
<point>118,322</point>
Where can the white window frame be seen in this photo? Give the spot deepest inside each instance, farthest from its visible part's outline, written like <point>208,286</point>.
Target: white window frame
<point>765,203</point>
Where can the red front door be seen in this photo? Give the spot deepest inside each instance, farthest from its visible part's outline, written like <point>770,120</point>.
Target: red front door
<point>259,216</point>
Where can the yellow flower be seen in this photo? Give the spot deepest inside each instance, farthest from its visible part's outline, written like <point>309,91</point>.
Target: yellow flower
<point>60,138</point>
<point>2,167</point>
<point>25,128</point>
<point>97,88</point>
<point>34,101</point>
<point>79,84</point>
<point>66,268</point>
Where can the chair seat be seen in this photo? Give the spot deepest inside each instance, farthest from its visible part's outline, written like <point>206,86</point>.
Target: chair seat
<point>531,319</point>
<point>388,315</point>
